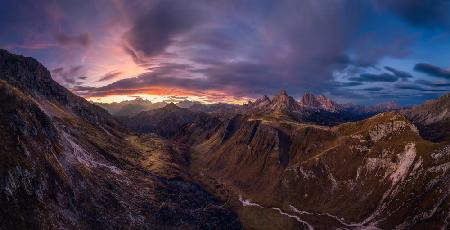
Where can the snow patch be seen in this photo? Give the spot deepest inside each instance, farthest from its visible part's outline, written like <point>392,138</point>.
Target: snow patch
<point>338,219</point>
<point>83,157</point>
<point>295,217</point>
<point>248,203</point>
<point>406,161</point>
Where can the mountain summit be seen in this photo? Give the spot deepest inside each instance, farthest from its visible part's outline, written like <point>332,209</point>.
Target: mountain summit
<point>320,102</point>
<point>283,102</point>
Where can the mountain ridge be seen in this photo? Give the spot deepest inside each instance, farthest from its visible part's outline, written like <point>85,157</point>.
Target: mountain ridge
<point>329,172</point>
<point>67,164</point>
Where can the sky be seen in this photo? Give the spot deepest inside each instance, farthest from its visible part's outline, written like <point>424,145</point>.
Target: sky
<point>363,52</point>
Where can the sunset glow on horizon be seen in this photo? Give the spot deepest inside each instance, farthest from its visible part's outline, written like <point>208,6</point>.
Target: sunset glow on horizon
<point>164,98</point>
<point>362,52</point>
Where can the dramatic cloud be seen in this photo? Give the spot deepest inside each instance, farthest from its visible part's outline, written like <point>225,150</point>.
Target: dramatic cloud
<point>347,84</point>
<point>432,70</point>
<point>368,77</point>
<point>433,84</point>
<point>418,88</point>
<point>156,29</point>
<point>429,13</point>
<point>230,39</point>
<point>398,73</point>
<point>374,89</point>
<point>110,76</point>
<point>346,49</point>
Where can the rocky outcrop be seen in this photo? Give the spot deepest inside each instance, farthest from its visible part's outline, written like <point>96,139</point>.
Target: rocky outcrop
<point>318,102</point>
<point>312,109</point>
<point>284,103</point>
<point>388,124</point>
<point>431,111</point>
<point>260,103</point>
<point>432,118</point>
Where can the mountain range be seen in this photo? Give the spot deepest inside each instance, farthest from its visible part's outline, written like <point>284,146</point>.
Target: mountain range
<point>129,108</point>
<point>285,103</point>
<point>273,163</point>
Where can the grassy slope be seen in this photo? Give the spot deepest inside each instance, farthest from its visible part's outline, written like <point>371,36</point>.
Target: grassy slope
<point>249,163</point>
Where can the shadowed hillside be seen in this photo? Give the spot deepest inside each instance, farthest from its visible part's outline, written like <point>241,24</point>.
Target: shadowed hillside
<point>67,164</point>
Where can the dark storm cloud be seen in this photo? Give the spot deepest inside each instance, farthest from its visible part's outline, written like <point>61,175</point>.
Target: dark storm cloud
<point>254,46</point>
<point>429,13</point>
<point>157,28</point>
<point>400,74</point>
<point>368,77</point>
<point>374,89</point>
<point>347,84</point>
<point>345,61</point>
<point>432,70</point>
<point>245,48</point>
<point>286,49</point>
<point>418,88</point>
<point>82,39</point>
<point>432,84</point>
<point>240,79</point>
<point>373,46</point>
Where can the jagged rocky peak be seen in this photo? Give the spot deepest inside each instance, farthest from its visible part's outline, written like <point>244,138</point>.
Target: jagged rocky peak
<point>383,107</point>
<point>322,102</point>
<point>263,101</point>
<point>140,100</point>
<point>284,102</point>
<point>171,106</point>
<point>309,100</point>
<point>265,98</point>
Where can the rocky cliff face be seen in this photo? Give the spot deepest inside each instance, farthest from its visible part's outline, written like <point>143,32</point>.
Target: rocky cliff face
<point>312,109</point>
<point>375,173</point>
<point>432,118</point>
<point>66,164</point>
<point>319,102</point>
<point>431,111</point>
<point>32,78</point>
<point>284,103</point>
